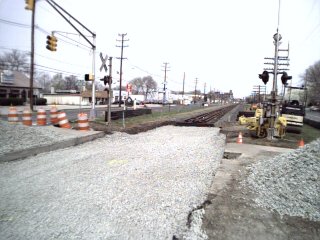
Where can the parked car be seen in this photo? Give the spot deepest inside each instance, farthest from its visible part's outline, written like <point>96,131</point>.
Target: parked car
<point>314,108</point>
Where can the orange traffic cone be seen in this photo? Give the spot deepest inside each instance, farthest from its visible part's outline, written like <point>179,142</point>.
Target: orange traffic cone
<point>301,143</point>
<point>239,139</point>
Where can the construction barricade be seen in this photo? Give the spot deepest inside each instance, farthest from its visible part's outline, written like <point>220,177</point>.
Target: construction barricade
<point>13,115</point>
<point>27,117</point>
<point>83,122</point>
<point>41,117</point>
<point>54,116</point>
<point>63,121</point>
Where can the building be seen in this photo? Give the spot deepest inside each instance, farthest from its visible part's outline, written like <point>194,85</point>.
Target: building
<point>14,84</point>
<point>73,97</point>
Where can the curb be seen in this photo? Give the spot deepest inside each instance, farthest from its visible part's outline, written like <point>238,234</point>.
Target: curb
<point>49,147</point>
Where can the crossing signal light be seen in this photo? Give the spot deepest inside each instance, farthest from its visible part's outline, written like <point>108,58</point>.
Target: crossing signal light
<point>106,80</point>
<point>52,43</point>
<point>285,78</point>
<point>88,77</point>
<point>29,4</point>
<point>264,76</point>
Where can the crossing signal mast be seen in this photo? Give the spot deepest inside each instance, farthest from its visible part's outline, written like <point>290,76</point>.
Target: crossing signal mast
<point>279,65</point>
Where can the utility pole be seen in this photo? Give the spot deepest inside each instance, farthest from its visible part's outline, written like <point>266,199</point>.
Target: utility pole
<point>32,54</point>
<point>165,81</point>
<point>184,77</point>
<point>121,58</point>
<point>195,90</point>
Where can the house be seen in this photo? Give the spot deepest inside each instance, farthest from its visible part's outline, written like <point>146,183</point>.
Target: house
<point>73,97</point>
<point>14,84</point>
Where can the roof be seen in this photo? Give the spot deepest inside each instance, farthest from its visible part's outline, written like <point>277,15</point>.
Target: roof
<point>15,79</point>
<point>99,94</point>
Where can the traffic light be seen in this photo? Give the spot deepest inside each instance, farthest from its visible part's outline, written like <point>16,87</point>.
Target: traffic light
<point>29,4</point>
<point>52,43</point>
<point>106,80</point>
<point>285,78</point>
<point>88,77</point>
<point>264,76</point>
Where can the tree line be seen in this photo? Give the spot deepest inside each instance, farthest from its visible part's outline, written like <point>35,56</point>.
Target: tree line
<point>20,61</point>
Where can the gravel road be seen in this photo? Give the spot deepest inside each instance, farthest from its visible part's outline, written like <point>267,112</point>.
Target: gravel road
<point>118,187</point>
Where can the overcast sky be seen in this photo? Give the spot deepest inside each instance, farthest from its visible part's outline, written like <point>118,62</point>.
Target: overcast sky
<point>222,43</point>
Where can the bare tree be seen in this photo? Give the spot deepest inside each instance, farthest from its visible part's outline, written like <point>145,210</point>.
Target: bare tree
<point>144,85</point>
<point>14,60</point>
<point>311,78</point>
<point>44,81</point>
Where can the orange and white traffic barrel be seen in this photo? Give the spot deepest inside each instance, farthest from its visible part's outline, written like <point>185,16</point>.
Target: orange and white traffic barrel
<point>41,117</point>
<point>27,117</point>
<point>63,121</point>
<point>13,115</point>
<point>83,122</point>
<point>54,116</point>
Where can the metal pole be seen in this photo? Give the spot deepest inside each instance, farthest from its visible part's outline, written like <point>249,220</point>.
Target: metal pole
<point>93,110</point>
<point>109,98</point>
<point>32,54</point>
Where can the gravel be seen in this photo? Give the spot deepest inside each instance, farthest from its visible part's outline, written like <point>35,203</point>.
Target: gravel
<point>15,137</point>
<point>118,187</point>
<point>289,183</point>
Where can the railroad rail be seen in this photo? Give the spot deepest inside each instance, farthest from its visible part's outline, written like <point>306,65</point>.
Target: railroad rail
<point>206,119</point>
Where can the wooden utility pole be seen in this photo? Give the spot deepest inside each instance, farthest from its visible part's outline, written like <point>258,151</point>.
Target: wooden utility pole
<point>195,90</point>
<point>121,58</point>
<point>184,77</point>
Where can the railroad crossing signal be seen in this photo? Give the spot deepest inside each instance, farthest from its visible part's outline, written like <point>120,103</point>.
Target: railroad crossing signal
<point>103,60</point>
<point>285,78</point>
<point>106,80</point>
<point>264,76</point>
<point>52,43</point>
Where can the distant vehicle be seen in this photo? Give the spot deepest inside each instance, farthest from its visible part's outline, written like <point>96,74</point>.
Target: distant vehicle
<point>314,108</point>
<point>117,102</point>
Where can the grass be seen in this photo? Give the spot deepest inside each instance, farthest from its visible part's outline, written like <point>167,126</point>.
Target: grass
<point>308,134</point>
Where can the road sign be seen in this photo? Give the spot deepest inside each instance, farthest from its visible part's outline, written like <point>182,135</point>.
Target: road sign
<point>129,88</point>
<point>103,60</point>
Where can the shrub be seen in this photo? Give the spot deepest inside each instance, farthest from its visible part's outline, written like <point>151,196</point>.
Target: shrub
<point>40,101</point>
<point>11,101</point>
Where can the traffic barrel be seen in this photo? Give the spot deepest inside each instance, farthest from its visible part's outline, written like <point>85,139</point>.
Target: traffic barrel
<point>41,117</point>
<point>63,121</point>
<point>13,115</point>
<point>27,117</point>
<point>83,122</point>
<point>54,116</point>
<point>239,139</point>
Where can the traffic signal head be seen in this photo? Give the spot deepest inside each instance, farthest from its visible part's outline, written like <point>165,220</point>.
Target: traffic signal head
<point>52,43</point>
<point>264,76</point>
<point>88,77</point>
<point>29,4</point>
<point>106,80</point>
<point>285,78</point>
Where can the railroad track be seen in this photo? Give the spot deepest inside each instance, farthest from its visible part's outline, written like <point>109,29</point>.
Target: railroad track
<point>206,119</point>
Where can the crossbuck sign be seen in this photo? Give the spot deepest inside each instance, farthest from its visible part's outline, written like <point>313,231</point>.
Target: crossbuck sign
<point>103,60</point>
